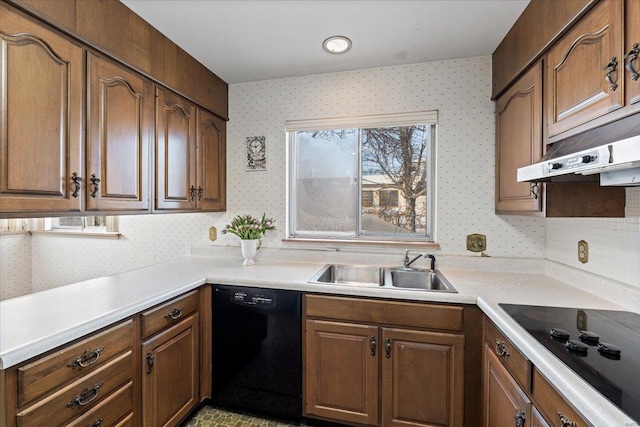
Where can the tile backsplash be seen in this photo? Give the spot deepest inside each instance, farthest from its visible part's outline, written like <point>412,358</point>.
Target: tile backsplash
<point>460,91</point>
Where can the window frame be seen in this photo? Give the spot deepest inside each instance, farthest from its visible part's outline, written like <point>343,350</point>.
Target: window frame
<point>428,118</point>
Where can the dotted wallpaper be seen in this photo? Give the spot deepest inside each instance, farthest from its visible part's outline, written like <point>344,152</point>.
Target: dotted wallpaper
<point>15,265</point>
<point>458,89</point>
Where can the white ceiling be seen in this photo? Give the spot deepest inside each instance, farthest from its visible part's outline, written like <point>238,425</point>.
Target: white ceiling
<point>250,40</point>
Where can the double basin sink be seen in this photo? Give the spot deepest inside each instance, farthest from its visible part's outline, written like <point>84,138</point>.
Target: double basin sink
<point>388,277</point>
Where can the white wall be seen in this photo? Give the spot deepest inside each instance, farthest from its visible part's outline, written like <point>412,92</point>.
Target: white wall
<point>614,243</point>
<point>458,89</point>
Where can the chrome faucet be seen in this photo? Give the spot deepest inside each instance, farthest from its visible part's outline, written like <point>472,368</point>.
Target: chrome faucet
<point>406,262</point>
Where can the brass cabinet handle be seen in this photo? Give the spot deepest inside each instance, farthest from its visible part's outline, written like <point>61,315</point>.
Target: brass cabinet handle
<point>631,56</point>
<point>610,68</point>
<point>174,314</point>
<point>95,182</point>
<point>96,423</point>
<point>387,348</point>
<point>87,396</point>
<point>88,358</point>
<point>372,345</point>
<point>565,422</point>
<point>520,418</point>
<point>200,193</point>
<point>76,182</point>
<point>501,349</point>
<point>150,360</point>
<point>192,190</point>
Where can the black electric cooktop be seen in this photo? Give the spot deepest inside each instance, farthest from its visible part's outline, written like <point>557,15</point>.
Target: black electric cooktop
<point>601,346</point>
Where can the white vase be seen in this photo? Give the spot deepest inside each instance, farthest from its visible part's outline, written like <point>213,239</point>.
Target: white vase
<point>249,249</point>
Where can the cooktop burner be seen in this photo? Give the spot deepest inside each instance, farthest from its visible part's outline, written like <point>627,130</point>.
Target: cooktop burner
<point>601,346</point>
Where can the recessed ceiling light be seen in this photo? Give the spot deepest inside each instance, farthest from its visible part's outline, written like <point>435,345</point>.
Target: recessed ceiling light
<point>336,44</point>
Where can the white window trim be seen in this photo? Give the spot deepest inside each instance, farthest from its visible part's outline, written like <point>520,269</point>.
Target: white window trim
<point>378,120</point>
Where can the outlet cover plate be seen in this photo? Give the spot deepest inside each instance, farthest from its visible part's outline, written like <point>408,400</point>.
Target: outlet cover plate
<point>583,251</point>
<point>476,242</point>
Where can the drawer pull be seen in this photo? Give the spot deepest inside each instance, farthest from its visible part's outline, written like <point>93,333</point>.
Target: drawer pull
<point>372,345</point>
<point>520,418</point>
<point>565,422</point>
<point>95,183</point>
<point>86,397</point>
<point>501,349</point>
<point>76,179</point>
<point>174,314</point>
<point>88,358</point>
<point>610,68</point>
<point>387,348</point>
<point>96,423</point>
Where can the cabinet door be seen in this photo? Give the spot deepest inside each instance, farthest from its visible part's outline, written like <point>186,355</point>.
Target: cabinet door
<point>504,402</point>
<point>170,374</point>
<point>212,160</point>
<point>578,89</point>
<point>120,108</point>
<point>175,152</point>
<point>632,56</point>
<point>422,378</point>
<point>519,143</point>
<point>41,118</point>
<point>341,371</point>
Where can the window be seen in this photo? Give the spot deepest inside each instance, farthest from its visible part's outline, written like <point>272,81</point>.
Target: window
<point>366,178</point>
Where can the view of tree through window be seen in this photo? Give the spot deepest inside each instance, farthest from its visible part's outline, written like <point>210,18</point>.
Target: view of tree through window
<point>365,182</point>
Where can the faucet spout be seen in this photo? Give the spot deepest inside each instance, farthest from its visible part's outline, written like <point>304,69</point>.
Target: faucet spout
<point>406,262</point>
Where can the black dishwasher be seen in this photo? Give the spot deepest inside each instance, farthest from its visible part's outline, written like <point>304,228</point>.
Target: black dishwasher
<point>257,350</point>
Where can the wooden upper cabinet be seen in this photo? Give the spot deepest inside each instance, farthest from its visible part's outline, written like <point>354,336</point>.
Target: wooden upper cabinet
<point>519,143</point>
<point>503,400</point>
<point>211,166</point>
<point>175,152</point>
<point>341,371</point>
<point>632,53</point>
<point>120,114</point>
<point>41,117</point>
<point>422,378</point>
<point>584,69</point>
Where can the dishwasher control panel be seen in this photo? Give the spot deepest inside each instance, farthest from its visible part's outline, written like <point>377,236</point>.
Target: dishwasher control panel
<point>260,299</point>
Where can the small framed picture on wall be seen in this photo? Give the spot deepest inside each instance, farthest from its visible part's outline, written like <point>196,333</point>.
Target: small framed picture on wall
<point>256,153</point>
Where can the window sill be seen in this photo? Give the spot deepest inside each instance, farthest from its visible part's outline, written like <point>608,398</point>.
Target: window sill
<point>104,235</point>
<point>347,243</point>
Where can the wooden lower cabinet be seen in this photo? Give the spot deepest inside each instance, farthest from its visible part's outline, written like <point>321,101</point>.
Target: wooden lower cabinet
<point>505,404</point>
<point>422,378</point>
<point>341,371</point>
<point>170,370</point>
<point>370,374</point>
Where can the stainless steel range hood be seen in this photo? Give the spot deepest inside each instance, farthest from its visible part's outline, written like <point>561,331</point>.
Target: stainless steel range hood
<point>618,163</point>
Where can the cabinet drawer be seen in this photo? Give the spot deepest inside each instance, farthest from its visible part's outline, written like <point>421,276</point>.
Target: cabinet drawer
<point>55,370</point>
<point>385,312</point>
<point>552,405</point>
<point>518,365</point>
<point>167,314</point>
<point>78,397</point>
<point>109,411</point>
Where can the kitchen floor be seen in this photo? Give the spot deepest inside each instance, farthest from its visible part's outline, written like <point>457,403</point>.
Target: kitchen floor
<point>208,416</point>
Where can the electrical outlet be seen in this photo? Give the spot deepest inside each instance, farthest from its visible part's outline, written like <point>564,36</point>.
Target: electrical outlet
<point>213,234</point>
<point>583,251</point>
<point>476,242</point>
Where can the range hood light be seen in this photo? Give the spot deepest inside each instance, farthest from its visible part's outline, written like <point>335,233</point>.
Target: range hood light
<point>336,44</point>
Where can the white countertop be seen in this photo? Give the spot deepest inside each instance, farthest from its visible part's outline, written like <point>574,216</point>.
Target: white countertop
<point>34,324</point>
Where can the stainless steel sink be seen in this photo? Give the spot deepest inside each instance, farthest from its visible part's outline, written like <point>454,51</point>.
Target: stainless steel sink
<point>418,279</point>
<point>373,276</point>
<point>354,275</point>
